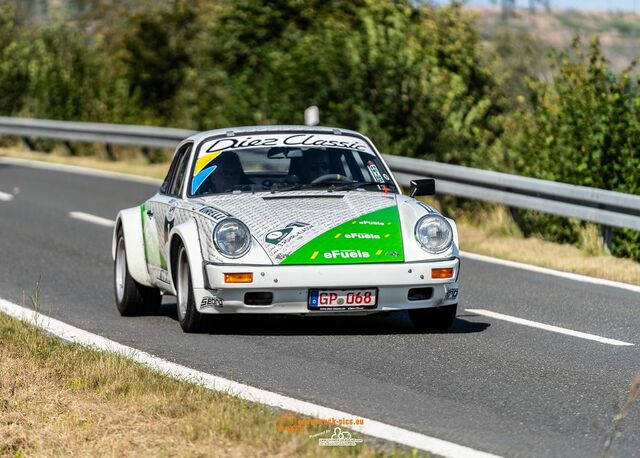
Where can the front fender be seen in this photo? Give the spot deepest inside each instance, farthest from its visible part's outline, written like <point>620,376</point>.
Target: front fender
<point>187,234</point>
<point>411,211</point>
<point>130,222</point>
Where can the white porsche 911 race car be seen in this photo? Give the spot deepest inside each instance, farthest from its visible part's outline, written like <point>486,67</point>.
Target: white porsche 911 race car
<point>287,219</point>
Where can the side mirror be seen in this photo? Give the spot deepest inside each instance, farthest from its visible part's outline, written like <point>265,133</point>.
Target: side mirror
<point>424,187</point>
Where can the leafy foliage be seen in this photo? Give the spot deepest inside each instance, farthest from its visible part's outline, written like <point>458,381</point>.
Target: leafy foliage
<point>582,129</point>
<point>413,79</point>
<point>48,73</point>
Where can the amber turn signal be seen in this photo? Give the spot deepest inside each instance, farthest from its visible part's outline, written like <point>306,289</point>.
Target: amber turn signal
<point>446,272</point>
<point>245,277</point>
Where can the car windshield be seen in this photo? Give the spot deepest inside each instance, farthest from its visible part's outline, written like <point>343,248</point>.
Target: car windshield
<point>273,163</point>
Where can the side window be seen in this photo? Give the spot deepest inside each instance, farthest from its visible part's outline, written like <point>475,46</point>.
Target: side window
<point>177,180</point>
<point>164,188</point>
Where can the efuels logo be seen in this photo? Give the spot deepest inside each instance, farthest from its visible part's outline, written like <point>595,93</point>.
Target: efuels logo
<point>346,254</point>
<point>361,236</point>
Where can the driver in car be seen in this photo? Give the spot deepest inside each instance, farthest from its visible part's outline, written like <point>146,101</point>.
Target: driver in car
<point>313,164</point>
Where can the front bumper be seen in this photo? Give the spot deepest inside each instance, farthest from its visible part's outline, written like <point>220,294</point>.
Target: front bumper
<point>290,286</point>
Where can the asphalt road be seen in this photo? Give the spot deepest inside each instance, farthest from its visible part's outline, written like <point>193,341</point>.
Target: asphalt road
<point>489,384</point>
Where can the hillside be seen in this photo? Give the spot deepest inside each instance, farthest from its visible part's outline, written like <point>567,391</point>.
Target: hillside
<point>619,32</point>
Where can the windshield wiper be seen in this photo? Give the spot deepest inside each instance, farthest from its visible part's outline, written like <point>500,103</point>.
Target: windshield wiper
<point>359,184</point>
<point>299,186</point>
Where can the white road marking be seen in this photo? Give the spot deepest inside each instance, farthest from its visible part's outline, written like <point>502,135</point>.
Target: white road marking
<point>370,427</point>
<point>6,197</point>
<point>99,220</point>
<point>555,273</point>
<point>548,327</point>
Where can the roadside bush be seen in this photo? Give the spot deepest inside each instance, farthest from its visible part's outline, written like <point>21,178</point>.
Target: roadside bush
<point>581,129</point>
<point>48,73</point>
<point>154,58</point>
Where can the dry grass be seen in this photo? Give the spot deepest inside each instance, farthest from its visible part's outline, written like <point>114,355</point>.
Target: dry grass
<point>491,232</point>
<point>132,164</point>
<point>58,399</point>
<point>498,236</point>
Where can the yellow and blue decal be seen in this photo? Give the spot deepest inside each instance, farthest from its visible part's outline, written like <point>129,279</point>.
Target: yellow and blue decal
<point>203,169</point>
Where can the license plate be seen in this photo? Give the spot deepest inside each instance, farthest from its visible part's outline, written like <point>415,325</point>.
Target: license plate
<point>343,299</point>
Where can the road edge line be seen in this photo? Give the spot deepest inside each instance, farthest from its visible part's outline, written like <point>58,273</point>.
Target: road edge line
<point>547,271</point>
<point>249,393</point>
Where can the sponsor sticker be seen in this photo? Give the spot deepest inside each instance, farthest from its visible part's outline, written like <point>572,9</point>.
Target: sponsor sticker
<point>309,140</point>
<point>168,224</point>
<point>369,223</point>
<point>212,213</point>
<point>211,301</point>
<point>163,276</point>
<point>292,229</point>
<point>375,173</point>
<point>451,294</point>
<point>203,168</point>
<point>346,254</point>
<point>171,214</point>
<point>356,235</point>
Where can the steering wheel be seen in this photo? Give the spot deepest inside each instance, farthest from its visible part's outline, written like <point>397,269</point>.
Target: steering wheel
<point>333,177</point>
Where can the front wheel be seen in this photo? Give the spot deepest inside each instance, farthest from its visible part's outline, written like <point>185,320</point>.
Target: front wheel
<point>190,319</point>
<point>132,298</point>
<point>433,319</point>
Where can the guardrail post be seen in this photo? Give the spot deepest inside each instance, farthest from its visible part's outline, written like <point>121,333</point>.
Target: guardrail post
<point>70,148</point>
<point>515,215</point>
<point>28,143</point>
<point>606,232</point>
<point>145,152</point>
<point>109,150</point>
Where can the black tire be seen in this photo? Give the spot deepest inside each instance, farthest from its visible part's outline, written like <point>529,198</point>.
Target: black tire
<point>188,316</point>
<point>434,319</point>
<point>132,298</point>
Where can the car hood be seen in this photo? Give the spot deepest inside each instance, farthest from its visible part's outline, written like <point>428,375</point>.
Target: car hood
<point>304,227</point>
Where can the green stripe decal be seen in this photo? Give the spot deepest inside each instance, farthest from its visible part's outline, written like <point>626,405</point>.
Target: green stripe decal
<point>371,238</point>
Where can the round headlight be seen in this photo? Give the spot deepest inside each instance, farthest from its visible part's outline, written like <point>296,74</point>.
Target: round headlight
<point>232,238</point>
<point>434,233</point>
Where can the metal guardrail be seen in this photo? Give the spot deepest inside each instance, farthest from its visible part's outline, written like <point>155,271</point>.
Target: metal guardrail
<point>606,208</point>
<point>114,134</point>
